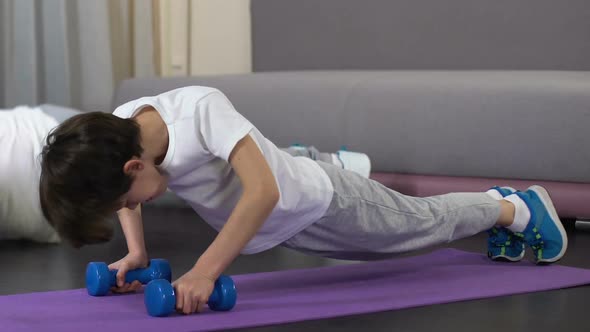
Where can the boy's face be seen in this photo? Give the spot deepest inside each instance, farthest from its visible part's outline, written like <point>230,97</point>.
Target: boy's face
<point>148,183</point>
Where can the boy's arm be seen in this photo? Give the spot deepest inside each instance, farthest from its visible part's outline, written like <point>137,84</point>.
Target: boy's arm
<point>137,257</point>
<point>259,197</point>
<point>132,226</point>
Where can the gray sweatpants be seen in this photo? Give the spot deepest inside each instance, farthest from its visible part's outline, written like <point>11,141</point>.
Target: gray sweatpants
<point>366,220</point>
<point>309,152</point>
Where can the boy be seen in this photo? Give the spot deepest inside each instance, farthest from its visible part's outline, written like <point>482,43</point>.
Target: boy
<point>23,133</point>
<point>194,142</point>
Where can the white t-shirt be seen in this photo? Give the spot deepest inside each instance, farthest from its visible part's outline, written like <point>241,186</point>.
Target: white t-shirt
<point>203,128</point>
<point>22,136</point>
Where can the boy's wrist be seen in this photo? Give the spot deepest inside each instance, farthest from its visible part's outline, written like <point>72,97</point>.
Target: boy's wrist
<point>211,271</point>
<point>203,274</point>
<point>140,254</point>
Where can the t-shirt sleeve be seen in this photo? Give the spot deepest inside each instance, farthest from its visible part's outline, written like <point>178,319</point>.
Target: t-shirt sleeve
<point>125,111</point>
<point>220,125</point>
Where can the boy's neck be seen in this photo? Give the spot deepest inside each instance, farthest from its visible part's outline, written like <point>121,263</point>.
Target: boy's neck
<point>154,135</point>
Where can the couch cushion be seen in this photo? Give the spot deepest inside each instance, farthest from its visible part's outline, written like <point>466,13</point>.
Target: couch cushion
<point>503,124</point>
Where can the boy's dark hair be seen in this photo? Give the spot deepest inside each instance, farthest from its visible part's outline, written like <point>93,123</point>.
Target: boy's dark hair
<point>82,179</point>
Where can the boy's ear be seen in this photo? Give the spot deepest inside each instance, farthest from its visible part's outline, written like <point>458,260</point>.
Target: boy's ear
<point>132,166</point>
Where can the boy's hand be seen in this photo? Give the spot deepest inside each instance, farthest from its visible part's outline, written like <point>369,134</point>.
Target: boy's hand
<point>192,291</point>
<point>127,263</point>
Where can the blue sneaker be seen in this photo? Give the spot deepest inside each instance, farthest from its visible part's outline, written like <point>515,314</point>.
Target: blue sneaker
<point>544,233</point>
<point>503,245</point>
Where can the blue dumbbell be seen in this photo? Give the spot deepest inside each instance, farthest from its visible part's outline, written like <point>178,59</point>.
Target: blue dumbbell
<point>99,279</point>
<point>160,298</point>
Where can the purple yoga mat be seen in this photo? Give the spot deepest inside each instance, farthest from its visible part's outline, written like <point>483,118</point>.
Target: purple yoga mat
<point>442,276</point>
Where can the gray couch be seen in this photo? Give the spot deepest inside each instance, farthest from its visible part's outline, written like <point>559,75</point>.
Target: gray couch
<point>445,96</point>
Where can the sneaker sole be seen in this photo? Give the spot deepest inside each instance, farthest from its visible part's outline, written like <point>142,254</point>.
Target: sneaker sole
<point>548,203</point>
<point>508,258</point>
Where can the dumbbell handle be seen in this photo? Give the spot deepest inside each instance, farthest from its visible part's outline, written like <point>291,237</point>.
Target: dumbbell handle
<point>142,275</point>
<point>213,298</point>
<point>160,297</point>
<point>99,278</point>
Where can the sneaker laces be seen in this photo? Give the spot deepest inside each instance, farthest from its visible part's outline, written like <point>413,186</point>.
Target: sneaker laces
<point>499,239</point>
<point>535,242</point>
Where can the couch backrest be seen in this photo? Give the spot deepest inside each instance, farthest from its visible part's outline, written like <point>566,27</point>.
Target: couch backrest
<point>497,124</point>
<point>421,34</point>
